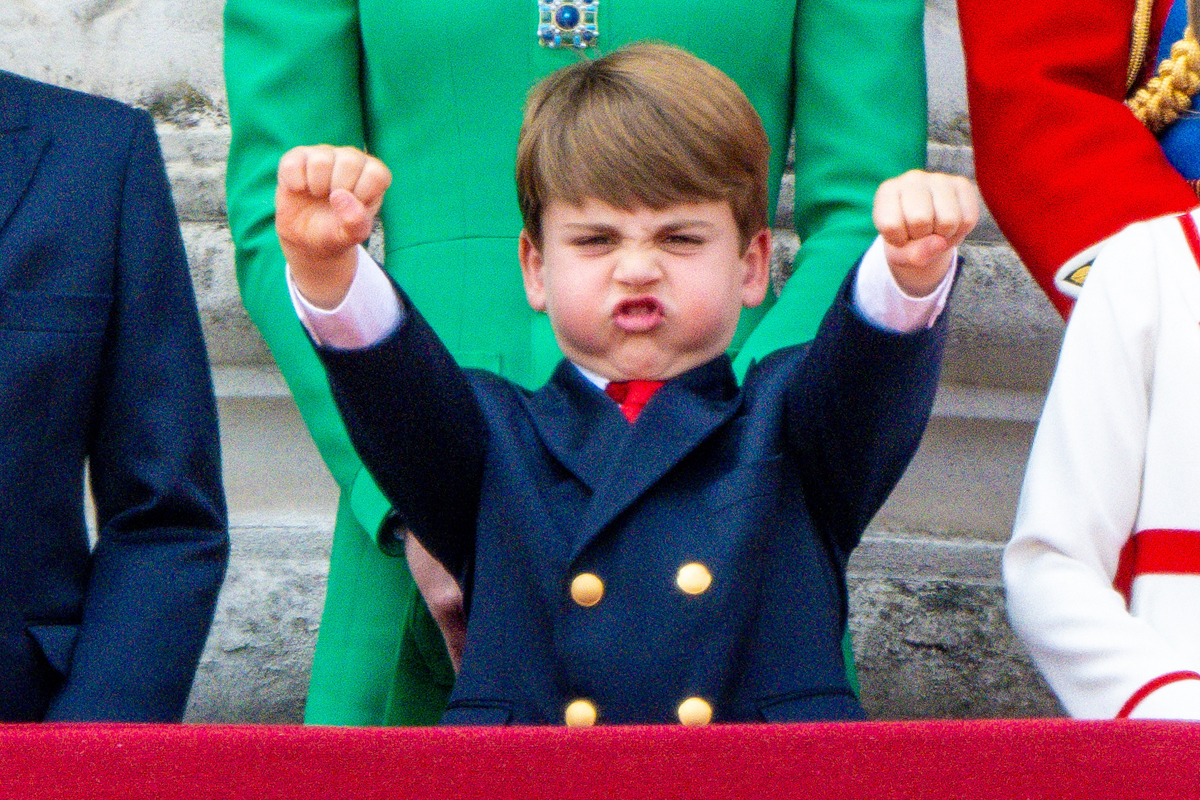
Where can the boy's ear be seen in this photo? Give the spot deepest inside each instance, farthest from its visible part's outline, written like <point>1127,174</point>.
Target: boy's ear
<point>756,262</point>
<point>530,256</point>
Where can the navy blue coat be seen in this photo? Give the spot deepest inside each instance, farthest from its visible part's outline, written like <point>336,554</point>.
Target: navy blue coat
<point>769,486</point>
<point>101,362</point>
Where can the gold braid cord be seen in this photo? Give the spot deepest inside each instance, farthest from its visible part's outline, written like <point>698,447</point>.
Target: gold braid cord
<point>1137,48</point>
<point>1169,94</point>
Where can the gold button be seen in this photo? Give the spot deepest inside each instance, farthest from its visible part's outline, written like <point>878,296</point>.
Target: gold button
<point>580,714</point>
<point>694,711</point>
<point>694,578</point>
<point>587,589</point>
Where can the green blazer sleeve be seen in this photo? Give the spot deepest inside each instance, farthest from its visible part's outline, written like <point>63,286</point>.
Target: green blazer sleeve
<point>860,118</point>
<point>292,73</point>
<point>271,111</point>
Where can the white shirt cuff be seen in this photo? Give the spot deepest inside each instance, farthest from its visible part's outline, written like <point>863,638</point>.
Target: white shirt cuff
<point>369,313</point>
<point>880,299</point>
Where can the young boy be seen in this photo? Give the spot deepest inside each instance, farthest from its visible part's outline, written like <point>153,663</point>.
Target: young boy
<point>680,556</point>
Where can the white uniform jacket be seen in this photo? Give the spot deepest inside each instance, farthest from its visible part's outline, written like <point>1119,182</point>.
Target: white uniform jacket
<point>1103,571</point>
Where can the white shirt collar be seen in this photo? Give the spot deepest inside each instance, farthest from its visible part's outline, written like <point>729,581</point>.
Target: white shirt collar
<point>600,381</point>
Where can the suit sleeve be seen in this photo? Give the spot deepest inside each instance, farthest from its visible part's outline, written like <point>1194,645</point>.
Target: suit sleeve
<point>414,417</point>
<point>1060,160</point>
<point>1080,499</point>
<point>859,120</point>
<point>857,408</point>
<point>155,471</point>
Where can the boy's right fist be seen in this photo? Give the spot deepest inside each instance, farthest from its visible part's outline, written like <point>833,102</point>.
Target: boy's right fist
<point>922,216</point>
<point>325,205</point>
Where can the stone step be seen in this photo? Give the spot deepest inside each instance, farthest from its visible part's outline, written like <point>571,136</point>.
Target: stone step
<point>257,661</point>
<point>966,476</point>
<point>271,467</point>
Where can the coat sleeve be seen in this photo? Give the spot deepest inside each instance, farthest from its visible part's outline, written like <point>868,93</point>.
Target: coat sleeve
<point>1080,499</point>
<point>859,120</point>
<point>155,472</point>
<point>413,415</point>
<point>857,407</point>
<point>1060,160</point>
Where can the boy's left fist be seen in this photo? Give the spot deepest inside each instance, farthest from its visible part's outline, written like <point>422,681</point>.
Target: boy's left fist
<point>922,217</point>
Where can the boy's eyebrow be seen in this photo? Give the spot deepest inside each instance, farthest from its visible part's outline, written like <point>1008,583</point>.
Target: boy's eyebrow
<point>590,226</point>
<point>673,225</point>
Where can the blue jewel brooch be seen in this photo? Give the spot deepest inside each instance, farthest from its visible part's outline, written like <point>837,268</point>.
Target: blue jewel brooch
<point>568,23</point>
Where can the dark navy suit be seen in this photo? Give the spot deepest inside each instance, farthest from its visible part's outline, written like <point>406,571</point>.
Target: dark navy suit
<point>101,361</point>
<point>768,485</point>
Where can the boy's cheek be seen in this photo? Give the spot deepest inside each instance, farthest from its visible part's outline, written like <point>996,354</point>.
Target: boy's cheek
<point>570,324</point>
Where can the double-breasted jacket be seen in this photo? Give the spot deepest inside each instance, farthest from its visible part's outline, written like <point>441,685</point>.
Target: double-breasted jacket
<point>764,488</point>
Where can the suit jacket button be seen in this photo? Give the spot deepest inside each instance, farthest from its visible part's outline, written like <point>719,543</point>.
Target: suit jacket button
<point>694,578</point>
<point>580,714</point>
<point>694,711</point>
<point>587,589</point>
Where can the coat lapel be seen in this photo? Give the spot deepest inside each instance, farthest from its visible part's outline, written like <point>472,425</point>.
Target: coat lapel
<point>586,433</point>
<point>21,145</point>
<point>680,416</point>
<point>579,424</point>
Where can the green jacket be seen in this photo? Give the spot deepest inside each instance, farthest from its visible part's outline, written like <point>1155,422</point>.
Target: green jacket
<point>435,90</point>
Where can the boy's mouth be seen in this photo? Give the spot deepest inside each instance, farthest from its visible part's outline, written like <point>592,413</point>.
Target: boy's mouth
<point>638,315</point>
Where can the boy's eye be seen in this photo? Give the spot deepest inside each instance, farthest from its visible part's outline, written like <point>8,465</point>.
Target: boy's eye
<point>682,242</point>
<point>597,241</point>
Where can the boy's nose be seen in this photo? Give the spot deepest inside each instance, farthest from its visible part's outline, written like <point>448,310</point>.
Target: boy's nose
<point>637,267</point>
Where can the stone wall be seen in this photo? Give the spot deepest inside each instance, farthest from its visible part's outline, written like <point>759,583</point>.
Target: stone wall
<point>926,600</point>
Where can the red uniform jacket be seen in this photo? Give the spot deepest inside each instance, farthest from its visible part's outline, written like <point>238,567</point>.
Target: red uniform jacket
<point>1060,160</point>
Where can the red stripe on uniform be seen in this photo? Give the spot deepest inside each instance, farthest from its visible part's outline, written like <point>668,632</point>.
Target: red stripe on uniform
<point>1157,551</point>
<point>1191,234</point>
<point>1123,580</point>
<point>1157,683</point>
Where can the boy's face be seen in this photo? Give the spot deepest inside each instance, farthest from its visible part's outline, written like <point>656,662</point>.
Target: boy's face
<point>643,294</point>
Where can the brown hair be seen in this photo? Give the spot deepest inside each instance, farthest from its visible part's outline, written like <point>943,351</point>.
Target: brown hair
<point>647,125</point>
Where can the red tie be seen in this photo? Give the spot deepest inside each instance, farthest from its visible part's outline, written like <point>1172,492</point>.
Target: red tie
<point>632,396</point>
